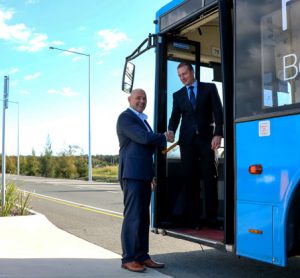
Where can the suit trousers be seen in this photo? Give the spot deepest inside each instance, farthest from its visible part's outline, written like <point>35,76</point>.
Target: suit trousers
<point>198,160</point>
<point>135,228</point>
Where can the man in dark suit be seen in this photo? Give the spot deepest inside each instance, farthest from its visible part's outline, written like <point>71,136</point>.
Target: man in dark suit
<point>137,145</point>
<point>199,108</point>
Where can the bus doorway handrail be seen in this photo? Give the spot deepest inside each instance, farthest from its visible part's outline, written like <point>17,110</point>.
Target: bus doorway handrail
<point>165,151</point>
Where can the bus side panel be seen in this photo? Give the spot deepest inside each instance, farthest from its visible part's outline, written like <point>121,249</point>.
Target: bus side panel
<point>274,144</point>
<point>259,218</point>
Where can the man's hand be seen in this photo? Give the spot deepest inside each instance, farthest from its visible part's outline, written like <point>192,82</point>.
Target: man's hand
<point>153,184</point>
<point>216,142</point>
<point>170,136</point>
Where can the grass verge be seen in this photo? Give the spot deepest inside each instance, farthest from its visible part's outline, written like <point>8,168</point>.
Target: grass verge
<point>106,174</point>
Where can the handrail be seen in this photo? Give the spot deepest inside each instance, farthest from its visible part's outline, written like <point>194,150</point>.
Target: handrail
<point>165,151</point>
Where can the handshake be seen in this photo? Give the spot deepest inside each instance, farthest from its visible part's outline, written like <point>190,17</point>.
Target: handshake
<point>170,136</point>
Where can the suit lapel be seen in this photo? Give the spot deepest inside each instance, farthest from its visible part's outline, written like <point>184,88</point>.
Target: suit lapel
<point>147,124</point>
<point>200,93</point>
<point>137,119</point>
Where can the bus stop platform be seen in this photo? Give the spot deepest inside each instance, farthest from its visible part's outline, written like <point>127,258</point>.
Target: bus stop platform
<point>32,247</point>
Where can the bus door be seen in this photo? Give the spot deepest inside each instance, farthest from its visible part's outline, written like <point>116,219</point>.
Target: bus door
<point>198,43</point>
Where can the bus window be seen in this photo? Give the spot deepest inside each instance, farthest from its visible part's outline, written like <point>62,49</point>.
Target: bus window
<point>173,85</point>
<point>267,57</point>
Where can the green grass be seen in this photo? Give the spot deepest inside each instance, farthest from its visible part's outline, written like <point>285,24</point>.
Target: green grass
<point>106,174</point>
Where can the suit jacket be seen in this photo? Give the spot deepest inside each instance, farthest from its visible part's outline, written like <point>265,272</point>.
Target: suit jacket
<point>208,111</point>
<point>137,146</point>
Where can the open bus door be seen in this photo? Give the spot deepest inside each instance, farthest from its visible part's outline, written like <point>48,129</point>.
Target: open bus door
<point>205,42</point>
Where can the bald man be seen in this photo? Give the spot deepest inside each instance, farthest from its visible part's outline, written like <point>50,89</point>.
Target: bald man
<point>137,145</point>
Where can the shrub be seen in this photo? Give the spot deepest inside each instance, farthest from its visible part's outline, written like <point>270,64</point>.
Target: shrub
<point>16,201</point>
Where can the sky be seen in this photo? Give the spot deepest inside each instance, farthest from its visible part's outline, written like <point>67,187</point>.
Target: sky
<point>48,89</point>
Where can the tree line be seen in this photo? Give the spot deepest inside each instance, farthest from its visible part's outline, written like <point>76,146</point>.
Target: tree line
<point>67,164</point>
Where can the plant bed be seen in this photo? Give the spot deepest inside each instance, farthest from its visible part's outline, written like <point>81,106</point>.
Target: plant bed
<point>16,202</point>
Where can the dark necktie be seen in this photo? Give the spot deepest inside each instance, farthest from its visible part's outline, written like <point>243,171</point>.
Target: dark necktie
<point>149,127</point>
<point>192,97</point>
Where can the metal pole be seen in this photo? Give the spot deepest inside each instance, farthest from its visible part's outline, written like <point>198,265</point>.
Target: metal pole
<point>89,116</point>
<point>18,143</point>
<point>18,137</point>
<point>90,174</point>
<point>5,105</point>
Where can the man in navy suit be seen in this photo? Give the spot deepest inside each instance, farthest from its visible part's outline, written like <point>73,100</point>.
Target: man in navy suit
<point>137,145</point>
<point>199,108</point>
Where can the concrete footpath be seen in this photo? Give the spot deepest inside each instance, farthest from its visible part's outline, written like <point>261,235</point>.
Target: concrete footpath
<point>32,247</point>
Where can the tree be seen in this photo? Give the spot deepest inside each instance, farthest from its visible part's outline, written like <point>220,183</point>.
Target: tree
<point>32,165</point>
<point>82,166</point>
<point>66,167</point>
<point>47,161</point>
<point>11,164</point>
<point>23,165</point>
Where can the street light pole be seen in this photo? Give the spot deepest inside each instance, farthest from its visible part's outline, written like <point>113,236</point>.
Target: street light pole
<point>18,135</point>
<point>5,106</point>
<point>89,107</point>
<point>18,139</point>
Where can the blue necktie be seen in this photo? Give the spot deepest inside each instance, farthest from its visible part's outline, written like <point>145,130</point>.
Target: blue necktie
<point>192,97</point>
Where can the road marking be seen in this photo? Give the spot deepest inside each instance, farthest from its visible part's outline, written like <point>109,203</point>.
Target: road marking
<point>77,205</point>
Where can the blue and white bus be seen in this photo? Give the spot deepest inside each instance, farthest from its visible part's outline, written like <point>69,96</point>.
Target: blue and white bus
<point>251,50</point>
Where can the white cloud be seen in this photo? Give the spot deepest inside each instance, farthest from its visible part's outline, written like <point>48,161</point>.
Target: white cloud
<point>17,32</point>
<point>66,92</point>
<point>57,43</point>
<point>110,39</point>
<point>82,28</point>
<point>13,71</point>
<point>20,34</point>
<point>36,43</point>
<point>32,76</point>
<point>77,58</point>
<point>78,49</point>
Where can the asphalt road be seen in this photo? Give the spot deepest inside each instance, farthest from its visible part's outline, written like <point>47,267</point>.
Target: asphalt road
<point>93,211</point>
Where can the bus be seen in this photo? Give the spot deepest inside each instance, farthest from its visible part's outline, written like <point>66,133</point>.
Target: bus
<point>251,50</point>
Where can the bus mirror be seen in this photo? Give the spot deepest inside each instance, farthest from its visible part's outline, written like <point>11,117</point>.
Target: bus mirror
<point>128,77</point>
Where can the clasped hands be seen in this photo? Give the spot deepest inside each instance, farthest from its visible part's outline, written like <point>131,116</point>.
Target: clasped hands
<point>170,136</point>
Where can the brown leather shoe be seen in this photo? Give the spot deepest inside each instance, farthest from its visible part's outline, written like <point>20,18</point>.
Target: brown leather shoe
<point>134,266</point>
<point>152,264</point>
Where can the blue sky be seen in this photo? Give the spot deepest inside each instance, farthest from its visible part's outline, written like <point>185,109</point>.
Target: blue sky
<point>51,87</point>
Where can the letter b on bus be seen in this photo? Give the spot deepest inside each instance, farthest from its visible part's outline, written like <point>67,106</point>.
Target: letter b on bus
<point>290,66</point>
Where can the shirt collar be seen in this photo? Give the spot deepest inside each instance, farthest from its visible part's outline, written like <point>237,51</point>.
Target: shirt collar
<point>142,116</point>
<point>194,84</point>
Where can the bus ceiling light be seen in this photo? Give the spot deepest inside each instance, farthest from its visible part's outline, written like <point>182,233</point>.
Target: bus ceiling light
<point>255,169</point>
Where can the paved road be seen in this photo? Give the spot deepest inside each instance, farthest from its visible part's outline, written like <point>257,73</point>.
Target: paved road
<point>93,211</point>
